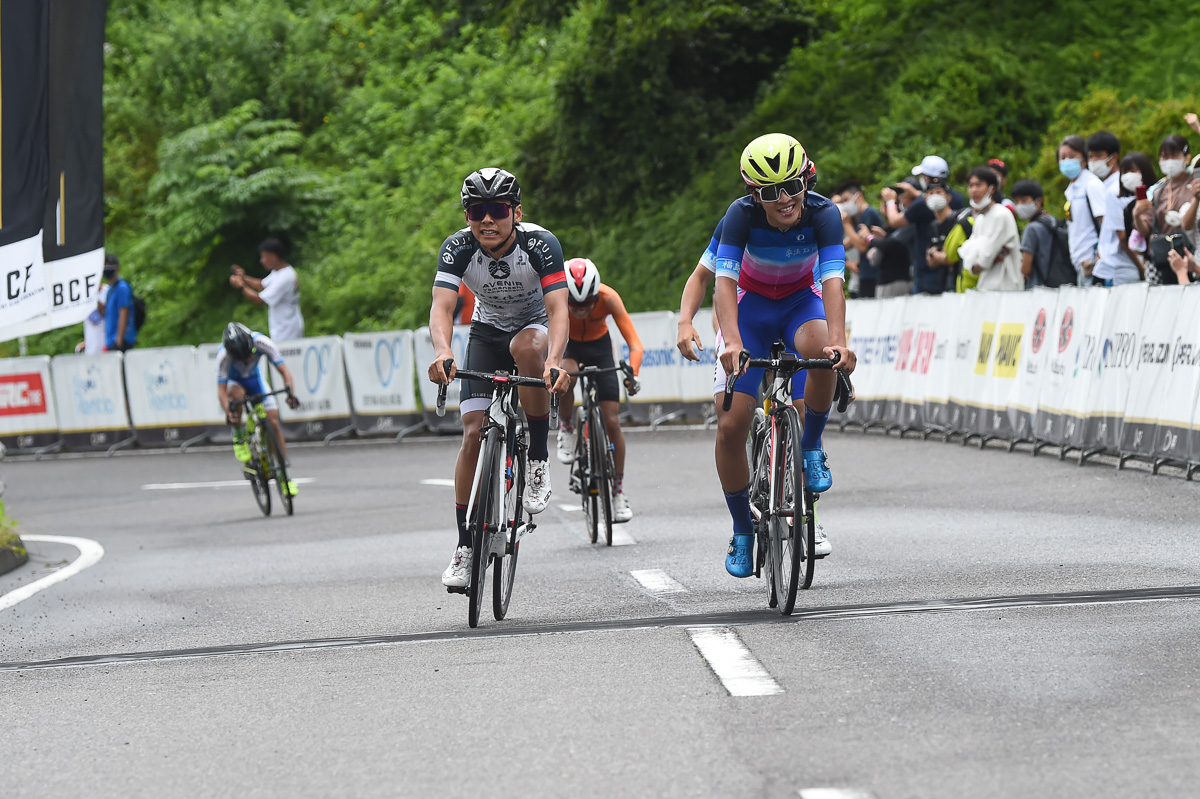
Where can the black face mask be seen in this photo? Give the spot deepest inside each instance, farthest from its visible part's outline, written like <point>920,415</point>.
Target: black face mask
<point>109,273</point>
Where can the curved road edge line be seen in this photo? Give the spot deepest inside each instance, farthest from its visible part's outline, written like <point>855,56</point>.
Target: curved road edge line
<point>90,553</point>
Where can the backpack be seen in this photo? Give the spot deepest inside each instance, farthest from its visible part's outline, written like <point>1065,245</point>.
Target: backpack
<point>1061,271</point>
<point>139,312</point>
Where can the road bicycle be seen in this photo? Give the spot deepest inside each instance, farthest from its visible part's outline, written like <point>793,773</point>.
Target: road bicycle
<point>266,453</point>
<point>593,474</point>
<point>781,504</point>
<point>496,518</point>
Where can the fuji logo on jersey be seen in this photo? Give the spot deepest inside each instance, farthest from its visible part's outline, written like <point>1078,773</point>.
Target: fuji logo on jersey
<point>1064,332</point>
<point>499,270</point>
<point>1039,332</point>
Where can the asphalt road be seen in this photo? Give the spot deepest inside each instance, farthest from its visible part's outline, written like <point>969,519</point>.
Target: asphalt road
<point>214,652</point>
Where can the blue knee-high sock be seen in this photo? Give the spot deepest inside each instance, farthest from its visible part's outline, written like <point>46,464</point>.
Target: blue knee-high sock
<point>739,509</point>
<point>539,429</point>
<point>814,426</point>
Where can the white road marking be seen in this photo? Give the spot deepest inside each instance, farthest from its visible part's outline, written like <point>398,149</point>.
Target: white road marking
<point>568,508</point>
<point>834,793</point>
<point>212,484</point>
<point>90,553</point>
<point>732,662</point>
<point>657,581</point>
<point>438,481</point>
<point>622,538</point>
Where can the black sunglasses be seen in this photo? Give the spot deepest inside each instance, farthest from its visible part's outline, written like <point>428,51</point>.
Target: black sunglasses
<point>477,212</point>
<point>773,191</point>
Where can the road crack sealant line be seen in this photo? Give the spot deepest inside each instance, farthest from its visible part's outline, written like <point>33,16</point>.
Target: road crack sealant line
<point>724,619</point>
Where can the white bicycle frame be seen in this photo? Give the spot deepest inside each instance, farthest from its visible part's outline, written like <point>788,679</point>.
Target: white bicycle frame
<point>498,414</point>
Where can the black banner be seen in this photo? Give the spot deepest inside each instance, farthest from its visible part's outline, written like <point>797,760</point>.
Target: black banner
<point>74,209</point>
<point>24,70</point>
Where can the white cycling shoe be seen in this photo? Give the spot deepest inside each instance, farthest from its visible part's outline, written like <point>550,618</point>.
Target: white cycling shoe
<point>823,547</point>
<point>620,509</point>
<point>458,573</point>
<point>566,446</point>
<point>537,489</point>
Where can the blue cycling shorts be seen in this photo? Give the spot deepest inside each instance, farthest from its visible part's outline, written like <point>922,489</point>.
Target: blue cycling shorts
<point>252,384</point>
<point>763,321</point>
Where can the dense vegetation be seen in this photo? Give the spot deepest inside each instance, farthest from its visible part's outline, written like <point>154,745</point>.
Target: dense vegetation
<point>347,125</point>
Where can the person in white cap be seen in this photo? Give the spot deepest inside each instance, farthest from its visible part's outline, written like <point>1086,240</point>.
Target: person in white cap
<point>921,212</point>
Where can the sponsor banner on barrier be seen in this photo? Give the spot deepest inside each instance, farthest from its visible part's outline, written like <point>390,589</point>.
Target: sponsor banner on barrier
<point>914,356</point>
<point>381,371</point>
<point>1040,306</point>
<point>319,382</point>
<point>90,397</point>
<point>1060,370</point>
<point>1114,367</point>
<point>1152,371</point>
<point>977,333</point>
<point>1177,401</point>
<point>1089,331</point>
<point>28,417</point>
<point>660,373</point>
<point>423,349</point>
<point>165,403</point>
<point>874,340</point>
<point>941,315</point>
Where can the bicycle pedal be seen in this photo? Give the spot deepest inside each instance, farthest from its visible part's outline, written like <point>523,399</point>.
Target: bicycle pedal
<point>450,590</point>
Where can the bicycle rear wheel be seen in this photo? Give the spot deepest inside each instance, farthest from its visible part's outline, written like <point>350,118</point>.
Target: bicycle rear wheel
<point>604,474</point>
<point>259,478</point>
<point>481,523</point>
<point>278,467</point>
<point>791,545</point>
<point>514,517</point>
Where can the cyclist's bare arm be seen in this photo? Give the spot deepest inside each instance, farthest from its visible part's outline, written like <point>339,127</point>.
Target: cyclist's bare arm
<point>689,305</point>
<point>287,381</point>
<point>625,324</point>
<point>725,299</point>
<point>441,331</point>
<point>834,299</point>
<point>559,327</point>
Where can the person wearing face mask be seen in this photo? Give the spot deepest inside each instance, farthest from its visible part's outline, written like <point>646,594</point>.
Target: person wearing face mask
<point>992,250</point>
<point>1001,169</point>
<point>1122,247</point>
<point>1104,154</point>
<point>945,220</point>
<point>857,220</point>
<point>1160,217</point>
<point>1086,203</point>
<point>927,279</point>
<point>1045,255</point>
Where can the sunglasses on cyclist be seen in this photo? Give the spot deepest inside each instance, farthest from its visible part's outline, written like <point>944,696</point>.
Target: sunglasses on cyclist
<point>477,212</point>
<point>773,192</point>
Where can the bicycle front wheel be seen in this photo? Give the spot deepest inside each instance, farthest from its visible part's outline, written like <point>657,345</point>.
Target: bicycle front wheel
<point>277,467</point>
<point>514,517</point>
<point>481,525</point>
<point>791,543</point>
<point>585,460</point>
<point>259,479</point>
<point>604,474</point>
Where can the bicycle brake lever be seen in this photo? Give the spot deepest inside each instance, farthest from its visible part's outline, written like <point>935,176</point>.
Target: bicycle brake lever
<point>447,365</point>
<point>844,394</point>
<point>553,401</point>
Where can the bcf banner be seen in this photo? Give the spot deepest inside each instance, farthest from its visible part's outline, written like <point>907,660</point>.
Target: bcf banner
<point>381,371</point>
<point>166,405</point>
<point>319,382</point>
<point>90,396</point>
<point>27,414</point>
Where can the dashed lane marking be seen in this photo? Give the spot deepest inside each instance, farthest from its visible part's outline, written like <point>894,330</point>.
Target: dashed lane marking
<point>835,793</point>
<point>657,582</point>
<point>90,553</point>
<point>739,618</point>
<point>737,669</point>
<point>568,508</point>
<point>622,538</point>
<point>438,481</point>
<point>212,484</point>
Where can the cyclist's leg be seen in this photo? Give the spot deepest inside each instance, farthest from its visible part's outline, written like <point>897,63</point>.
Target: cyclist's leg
<point>809,334</point>
<point>528,350</point>
<point>241,449</point>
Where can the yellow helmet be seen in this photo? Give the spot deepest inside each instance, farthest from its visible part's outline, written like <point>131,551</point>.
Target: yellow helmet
<point>773,158</point>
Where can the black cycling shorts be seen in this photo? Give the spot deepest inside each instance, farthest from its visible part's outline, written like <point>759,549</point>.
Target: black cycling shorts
<point>598,353</point>
<point>487,351</point>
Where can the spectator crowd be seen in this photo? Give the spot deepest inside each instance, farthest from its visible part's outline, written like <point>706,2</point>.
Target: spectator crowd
<point>1123,221</point>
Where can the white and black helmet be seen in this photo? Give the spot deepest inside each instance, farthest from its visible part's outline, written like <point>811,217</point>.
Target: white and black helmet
<point>491,185</point>
<point>583,281</point>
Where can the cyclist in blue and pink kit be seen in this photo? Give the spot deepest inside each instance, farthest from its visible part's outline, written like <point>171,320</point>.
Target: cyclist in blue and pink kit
<point>782,245</point>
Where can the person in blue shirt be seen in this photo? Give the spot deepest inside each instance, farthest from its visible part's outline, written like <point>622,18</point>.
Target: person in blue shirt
<point>120,333</point>
<point>782,245</point>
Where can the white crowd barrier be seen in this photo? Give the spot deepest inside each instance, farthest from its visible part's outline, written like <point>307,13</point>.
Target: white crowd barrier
<point>1087,370</point>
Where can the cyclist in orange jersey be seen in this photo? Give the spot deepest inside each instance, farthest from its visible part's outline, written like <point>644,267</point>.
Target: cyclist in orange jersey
<point>590,303</point>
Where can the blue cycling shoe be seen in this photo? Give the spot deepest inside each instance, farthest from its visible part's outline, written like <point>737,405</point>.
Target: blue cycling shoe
<point>740,560</point>
<point>817,478</point>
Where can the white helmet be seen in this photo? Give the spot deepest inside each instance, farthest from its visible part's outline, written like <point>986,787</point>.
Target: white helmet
<point>583,281</point>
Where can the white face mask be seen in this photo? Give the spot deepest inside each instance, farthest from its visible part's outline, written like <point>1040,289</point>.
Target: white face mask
<point>936,202</point>
<point>1171,167</point>
<point>1027,211</point>
<point>1131,180</point>
<point>982,204</point>
<point>848,208</point>
<point>1100,169</point>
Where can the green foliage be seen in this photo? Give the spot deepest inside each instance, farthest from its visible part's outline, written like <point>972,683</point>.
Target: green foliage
<point>348,125</point>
